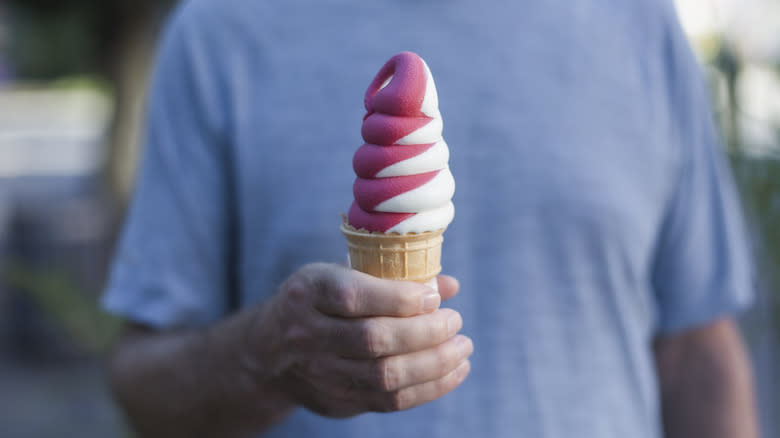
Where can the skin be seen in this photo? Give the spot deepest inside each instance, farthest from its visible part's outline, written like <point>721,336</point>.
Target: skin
<point>341,343</point>
<point>706,383</point>
<point>332,340</point>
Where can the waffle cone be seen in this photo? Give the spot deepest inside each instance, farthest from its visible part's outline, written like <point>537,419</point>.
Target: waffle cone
<point>414,257</point>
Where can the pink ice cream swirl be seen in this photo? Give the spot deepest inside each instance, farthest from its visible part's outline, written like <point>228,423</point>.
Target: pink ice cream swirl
<point>403,184</point>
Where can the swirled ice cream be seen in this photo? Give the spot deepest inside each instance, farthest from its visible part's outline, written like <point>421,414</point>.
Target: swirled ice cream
<point>403,184</point>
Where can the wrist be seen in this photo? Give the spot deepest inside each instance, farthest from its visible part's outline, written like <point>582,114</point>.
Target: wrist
<point>258,354</point>
<point>242,363</point>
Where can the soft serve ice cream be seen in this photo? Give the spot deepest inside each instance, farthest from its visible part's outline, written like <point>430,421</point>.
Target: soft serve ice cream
<point>403,184</point>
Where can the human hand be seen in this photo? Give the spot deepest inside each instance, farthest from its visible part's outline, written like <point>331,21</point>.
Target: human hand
<point>347,342</point>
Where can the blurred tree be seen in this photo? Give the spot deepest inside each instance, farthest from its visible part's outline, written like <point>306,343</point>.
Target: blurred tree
<point>59,37</point>
<point>729,64</point>
<point>112,39</point>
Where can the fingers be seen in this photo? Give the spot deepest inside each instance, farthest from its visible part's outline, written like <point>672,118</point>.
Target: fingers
<point>386,336</point>
<point>334,399</point>
<point>394,373</point>
<point>448,287</point>
<point>352,294</point>
<point>354,342</point>
<point>413,396</point>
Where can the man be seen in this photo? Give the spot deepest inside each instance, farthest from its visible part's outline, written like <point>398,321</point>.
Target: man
<point>597,237</point>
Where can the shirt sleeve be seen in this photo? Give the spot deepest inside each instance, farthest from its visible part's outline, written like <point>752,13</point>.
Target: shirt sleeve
<point>170,268</point>
<point>703,265</point>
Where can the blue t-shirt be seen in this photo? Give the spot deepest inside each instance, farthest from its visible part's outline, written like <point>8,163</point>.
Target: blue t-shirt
<point>594,208</point>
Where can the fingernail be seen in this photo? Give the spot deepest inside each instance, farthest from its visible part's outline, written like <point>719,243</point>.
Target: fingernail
<point>430,301</point>
<point>454,323</point>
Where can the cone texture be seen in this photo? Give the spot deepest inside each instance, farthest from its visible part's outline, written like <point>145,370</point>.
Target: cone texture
<point>414,257</point>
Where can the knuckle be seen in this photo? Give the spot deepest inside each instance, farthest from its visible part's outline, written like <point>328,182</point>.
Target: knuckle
<point>330,288</point>
<point>393,401</point>
<point>386,375</point>
<point>298,339</point>
<point>372,338</point>
<point>340,337</point>
<point>409,300</point>
<point>297,289</point>
<point>443,323</point>
<point>344,298</point>
<point>446,354</point>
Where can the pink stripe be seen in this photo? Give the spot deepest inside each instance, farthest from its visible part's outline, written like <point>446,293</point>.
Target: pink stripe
<point>380,222</point>
<point>371,192</point>
<point>405,93</point>
<point>382,129</point>
<point>370,159</point>
<point>392,113</point>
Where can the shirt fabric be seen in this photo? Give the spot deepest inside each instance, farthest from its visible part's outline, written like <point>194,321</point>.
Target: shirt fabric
<point>594,207</point>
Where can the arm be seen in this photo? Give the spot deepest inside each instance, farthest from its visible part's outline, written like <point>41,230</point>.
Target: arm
<point>706,383</point>
<point>319,343</point>
<point>193,382</point>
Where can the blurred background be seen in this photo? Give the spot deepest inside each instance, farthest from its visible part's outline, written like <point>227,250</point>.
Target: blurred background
<point>72,84</point>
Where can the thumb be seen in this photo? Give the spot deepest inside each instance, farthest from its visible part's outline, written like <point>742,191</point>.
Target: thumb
<point>448,286</point>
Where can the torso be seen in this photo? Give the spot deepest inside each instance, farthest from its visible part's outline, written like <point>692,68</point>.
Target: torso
<point>560,149</point>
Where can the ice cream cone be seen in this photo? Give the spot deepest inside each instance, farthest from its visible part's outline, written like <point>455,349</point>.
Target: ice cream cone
<point>403,187</point>
<point>412,256</point>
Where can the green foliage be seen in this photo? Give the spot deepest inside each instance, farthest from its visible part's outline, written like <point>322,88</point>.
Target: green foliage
<point>47,46</point>
<point>77,313</point>
<point>56,6</point>
<point>758,180</point>
<point>52,38</point>
<point>81,82</point>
